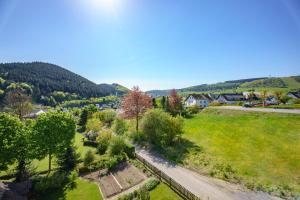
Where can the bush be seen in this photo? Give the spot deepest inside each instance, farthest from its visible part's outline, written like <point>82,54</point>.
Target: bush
<point>93,124</point>
<point>215,103</point>
<point>120,126</point>
<point>130,150</point>
<point>160,128</point>
<point>88,158</point>
<point>117,145</point>
<point>152,183</point>
<point>106,116</point>
<point>90,143</point>
<point>193,109</point>
<point>92,135</point>
<point>103,141</point>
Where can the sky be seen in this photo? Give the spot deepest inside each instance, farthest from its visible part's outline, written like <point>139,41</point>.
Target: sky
<point>155,44</point>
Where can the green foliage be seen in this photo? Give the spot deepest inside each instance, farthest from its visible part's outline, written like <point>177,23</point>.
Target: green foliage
<point>53,132</point>
<point>106,116</point>
<point>103,141</point>
<point>151,184</point>
<point>120,126</point>
<point>69,159</point>
<point>117,145</point>
<point>89,158</point>
<point>284,99</point>
<point>112,162</point>
<point>160,128</point>
<point>193,109</point>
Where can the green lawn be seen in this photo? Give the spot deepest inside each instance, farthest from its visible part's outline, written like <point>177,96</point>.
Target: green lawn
<point>84,190</point>
<point>259,147</point>
<point>163,192</point>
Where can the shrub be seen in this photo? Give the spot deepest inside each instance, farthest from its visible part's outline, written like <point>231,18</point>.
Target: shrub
<point>92,135</point>
<point>103,141</point>
<point>55,181</point>
<point>215,103</point>
<point>117,145</point>
<point>130,150</point>
<point>193,109</point>
<point>93,124</point>
<point>106,116</point>
<point>112,163</point>
<point>160,128</point>
<point>120,126</point>
<point>151,184</point>
<point>88,158</point>
<point>90,143</point>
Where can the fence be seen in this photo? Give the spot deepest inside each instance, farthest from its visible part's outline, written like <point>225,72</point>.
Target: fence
<point>171,182</point>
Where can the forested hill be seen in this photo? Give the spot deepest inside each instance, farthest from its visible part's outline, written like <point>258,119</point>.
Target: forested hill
<point>45,78</point>
<point>273,83</point>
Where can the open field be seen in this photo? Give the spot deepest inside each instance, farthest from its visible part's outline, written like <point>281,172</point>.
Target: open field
<point>163,192</point>
<point>259,148</point>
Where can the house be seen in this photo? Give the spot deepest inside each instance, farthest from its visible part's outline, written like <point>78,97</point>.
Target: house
<point>294,95</point>
<point>253,96</point>
<point>214,97</point>
<point>201,100</point>
<point>231,98</point>
<point>34,114</point>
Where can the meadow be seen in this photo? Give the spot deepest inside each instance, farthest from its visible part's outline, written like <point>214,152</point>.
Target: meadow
<point>261,150</point>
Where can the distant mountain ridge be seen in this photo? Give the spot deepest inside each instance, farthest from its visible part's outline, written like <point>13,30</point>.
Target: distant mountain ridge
<point>272,83</point>
<point>47,78</point>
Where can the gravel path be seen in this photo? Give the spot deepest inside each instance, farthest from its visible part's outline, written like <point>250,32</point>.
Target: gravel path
<point>277,110</point>
<point>202,186</point>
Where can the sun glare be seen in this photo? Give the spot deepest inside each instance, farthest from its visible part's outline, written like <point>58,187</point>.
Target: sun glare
<point>104,5</point>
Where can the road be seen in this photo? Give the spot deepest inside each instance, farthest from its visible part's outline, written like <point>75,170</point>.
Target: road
<point>271,110</point>
<point>202,186</point>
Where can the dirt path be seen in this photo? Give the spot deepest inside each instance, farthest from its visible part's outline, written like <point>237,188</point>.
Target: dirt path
<point>202,186</point>
<point>277,110</point>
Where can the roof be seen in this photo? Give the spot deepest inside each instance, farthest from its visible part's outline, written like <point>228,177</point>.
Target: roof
<point>35,113</point>
<point>233,96</point>
<point>200,96</point>
<point>296,94</point>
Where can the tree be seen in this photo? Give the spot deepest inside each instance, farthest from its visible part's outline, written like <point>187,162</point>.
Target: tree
<point>160,128</point>
<point>117,145</point>
<point>154,104</point>
<point>175,103</point>
<point>284,99</point>
<point>264,95</point>
<point>119,126</point>
<point>163,102</point>
<point>15,144</point>
<point>53,133</point>
<point>18,102</point>
<point>83,119</point>
<point>69,159</point>
<point>135,104</point>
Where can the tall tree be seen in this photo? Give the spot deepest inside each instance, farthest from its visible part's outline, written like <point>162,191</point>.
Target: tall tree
<point>154,104</point>
<point>175,102</point>
<point>278,95</point>
<point>19,102</point>
<point>163,102</point>
<point>15,144</point>
<point>54,132</point>
<point>135,104</point>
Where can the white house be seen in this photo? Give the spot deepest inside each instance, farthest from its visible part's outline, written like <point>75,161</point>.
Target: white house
<point>231,98</point>
<point>34,114</point>
<point>201,100</point>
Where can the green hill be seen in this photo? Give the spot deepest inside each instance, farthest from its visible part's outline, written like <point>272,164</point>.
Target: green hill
<point>281,83</point>
<point>46,79</point>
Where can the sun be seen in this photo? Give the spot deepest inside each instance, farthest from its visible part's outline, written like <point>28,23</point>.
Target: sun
<point>108,5</point>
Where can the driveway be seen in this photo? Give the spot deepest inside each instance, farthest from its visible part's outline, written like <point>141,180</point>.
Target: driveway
<point>202,186</point>
<point>271,110</point>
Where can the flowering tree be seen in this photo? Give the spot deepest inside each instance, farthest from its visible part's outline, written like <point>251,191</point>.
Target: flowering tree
<point>135,104</point>
<point>175,103</point>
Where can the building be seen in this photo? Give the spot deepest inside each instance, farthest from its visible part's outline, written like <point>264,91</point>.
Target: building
<point>201,100</point>
<point>231,98</point>
<point>34,114</point>
<point>294,95</point>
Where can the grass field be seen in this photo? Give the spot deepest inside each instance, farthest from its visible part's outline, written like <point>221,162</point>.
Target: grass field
<point>163,192</point>
<point>263,148</point>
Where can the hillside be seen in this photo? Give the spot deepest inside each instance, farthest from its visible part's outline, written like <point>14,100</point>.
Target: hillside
<point>45,79</point>
<point>281,83</point>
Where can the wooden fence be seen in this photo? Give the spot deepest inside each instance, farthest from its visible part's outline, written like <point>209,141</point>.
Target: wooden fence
<point>171,182</point>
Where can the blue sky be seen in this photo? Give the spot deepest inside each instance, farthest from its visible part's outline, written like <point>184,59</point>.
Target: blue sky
<point>156,44</point>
